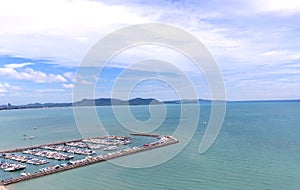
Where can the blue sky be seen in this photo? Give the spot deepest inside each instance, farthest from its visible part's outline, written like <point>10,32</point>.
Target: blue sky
<point>255,44</point>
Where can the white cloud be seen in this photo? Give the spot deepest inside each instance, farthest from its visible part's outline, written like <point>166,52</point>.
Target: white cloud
<point>70,75</point>
<point>75,18</point>
<point>289,55</point>
<point>17,65</point>
<point>249,8</point>
<point>59,29</point>
<point>49,90</point>
<point>3,90</point>
<point>85,82</point>
<point>31,75</point>
<point>67,35</point>
<point>7,88</point>
<point>240,34</point>
<point>145,52</point>
<point>68,85</point>
<point>277,5</point>
<point>4,85</point>
<point>274,53</point>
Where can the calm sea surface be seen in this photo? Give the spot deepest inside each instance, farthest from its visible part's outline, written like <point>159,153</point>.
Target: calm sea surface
<point>257,148</point>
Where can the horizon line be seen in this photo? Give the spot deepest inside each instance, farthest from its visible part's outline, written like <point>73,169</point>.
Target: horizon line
<point>163,101</point>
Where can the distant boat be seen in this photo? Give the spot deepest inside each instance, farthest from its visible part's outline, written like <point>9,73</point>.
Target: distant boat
<point>25,174</point>
<point>110,148</point>
<point>35,128</point>
<point>31,137</point>
<point>14,167</point>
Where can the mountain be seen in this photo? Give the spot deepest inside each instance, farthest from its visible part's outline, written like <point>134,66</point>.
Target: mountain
<point>185,101</point>
<point>110,102</point>
<point>85,102</point>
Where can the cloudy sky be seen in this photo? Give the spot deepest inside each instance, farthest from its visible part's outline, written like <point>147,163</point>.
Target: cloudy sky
<point>254,43</point>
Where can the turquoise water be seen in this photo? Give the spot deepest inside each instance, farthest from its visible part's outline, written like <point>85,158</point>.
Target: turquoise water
<point>258,148</point>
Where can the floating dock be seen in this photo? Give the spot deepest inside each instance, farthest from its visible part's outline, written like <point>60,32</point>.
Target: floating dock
<point>164,140</point>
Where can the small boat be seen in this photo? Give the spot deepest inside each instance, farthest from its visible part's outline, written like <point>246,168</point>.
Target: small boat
<point>110,148</point>
<point>25,174</point>
<point>14,167</point>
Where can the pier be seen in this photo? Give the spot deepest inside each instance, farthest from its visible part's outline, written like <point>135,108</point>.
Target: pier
<point>38,146</point>
<point>146,135</point>
<point>163,140</point>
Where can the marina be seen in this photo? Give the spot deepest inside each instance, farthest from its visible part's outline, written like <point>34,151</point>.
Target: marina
<point>57,157</point>
<point>23,159</point>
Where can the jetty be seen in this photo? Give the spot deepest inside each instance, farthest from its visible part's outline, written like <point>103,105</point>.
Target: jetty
<point>38,146</point>
<point>162,140</point>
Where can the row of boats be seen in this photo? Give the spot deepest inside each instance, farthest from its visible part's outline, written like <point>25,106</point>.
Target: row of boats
<point>109,148</point>
<point>57,166</point>
<point>72,150</point>
<point>23,159</point>
<point>78,144</point>
<point>49,154</point>
<point>91,159</point>
<point>10,167</point>
<point>93,146</point>
<point>109,140</point>
<point>86,145</point>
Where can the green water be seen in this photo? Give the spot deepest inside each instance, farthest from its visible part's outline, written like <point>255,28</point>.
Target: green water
<point>258,148</point>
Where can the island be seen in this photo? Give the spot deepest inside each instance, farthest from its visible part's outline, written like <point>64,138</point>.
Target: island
<point>101,102</point>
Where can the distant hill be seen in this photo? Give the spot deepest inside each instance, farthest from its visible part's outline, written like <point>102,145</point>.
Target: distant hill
<point>184,101</point>
<point>109,102</point>
<point>85,102</point>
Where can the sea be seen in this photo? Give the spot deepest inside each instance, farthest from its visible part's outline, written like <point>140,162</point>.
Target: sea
<point>258,148</point>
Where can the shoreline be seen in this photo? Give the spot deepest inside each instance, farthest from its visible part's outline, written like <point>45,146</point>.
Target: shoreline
<point>167,140</point>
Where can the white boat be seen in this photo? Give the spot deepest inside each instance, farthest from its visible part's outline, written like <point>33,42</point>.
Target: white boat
<point>110,148</point>
<point>14,167</point>
<point>25,174</point>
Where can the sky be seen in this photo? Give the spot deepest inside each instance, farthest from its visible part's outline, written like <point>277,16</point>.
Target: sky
<point>43,42</point>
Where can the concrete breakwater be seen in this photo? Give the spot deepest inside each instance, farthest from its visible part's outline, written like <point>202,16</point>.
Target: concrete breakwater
<point>162,140</point>
<point>38,146</point>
